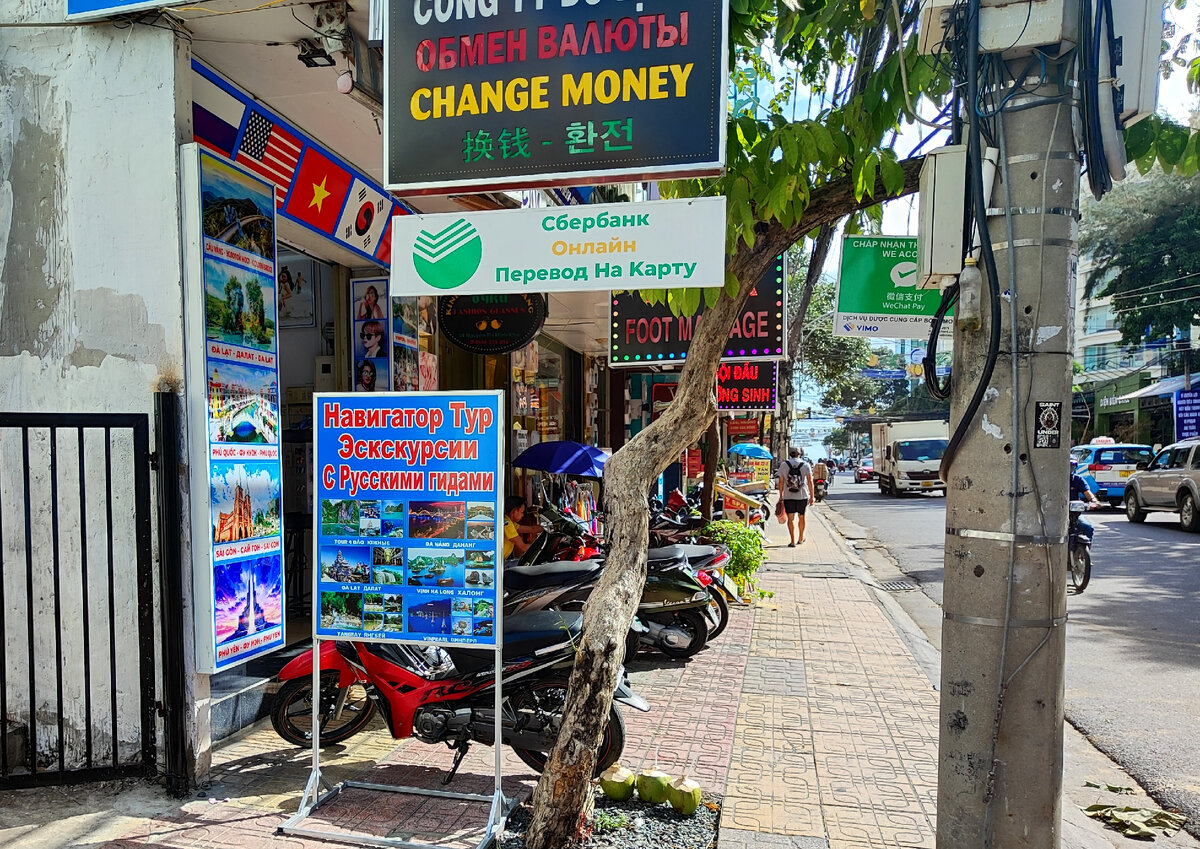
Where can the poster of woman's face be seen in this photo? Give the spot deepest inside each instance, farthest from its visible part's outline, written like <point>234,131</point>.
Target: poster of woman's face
<point>370,375</point>
<point>369,299</point>
<point>370,339</point>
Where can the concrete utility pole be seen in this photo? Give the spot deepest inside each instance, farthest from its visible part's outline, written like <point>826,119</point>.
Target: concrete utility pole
<point>1003,638</point>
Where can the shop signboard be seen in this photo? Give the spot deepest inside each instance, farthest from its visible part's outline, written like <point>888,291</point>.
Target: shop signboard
<point>650,333</point>
<point>742,427</point>
<point>491,324</point>
<point>81,10</point>
<point>760,469</point>
<point>734,505</point>
<point>746,386</point>
<point>407,528</point>
<point>1187,413</point>
<point>877,294</point>
<point>531,94</point>
<point>659,244</point>
<point>237,532</point>
<point>695,463</point>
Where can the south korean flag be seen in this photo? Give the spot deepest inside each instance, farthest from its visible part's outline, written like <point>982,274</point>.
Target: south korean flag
<point>364,217</point>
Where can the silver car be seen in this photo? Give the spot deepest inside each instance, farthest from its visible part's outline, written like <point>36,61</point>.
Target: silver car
<point>1170,482</point>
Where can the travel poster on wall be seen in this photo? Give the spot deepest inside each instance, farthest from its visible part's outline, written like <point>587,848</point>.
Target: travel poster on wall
<point>240,513</point>
<point>408,516</point>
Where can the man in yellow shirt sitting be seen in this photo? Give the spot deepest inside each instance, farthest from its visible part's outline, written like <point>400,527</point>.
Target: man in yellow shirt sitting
<point>515,543</point>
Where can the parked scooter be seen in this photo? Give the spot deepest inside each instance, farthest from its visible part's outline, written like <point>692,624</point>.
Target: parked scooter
<point>1079,548</point>
<point>674,604</point>
<point>446,695</point>
<point>820,489</point>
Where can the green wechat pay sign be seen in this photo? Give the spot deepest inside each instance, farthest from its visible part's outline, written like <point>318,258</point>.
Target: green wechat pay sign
<point>877,290</point>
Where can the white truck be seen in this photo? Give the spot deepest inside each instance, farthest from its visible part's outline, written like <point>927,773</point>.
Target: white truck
<point>907,455</point>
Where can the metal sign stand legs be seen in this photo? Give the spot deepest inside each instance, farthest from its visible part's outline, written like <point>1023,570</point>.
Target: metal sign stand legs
<point>314,798</point>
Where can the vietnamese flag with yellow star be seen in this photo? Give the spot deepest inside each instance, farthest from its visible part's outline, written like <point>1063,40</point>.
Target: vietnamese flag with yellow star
<point>318,191</point>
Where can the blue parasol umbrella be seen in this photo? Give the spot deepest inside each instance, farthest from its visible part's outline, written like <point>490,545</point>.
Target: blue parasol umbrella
<point>563,458</point>
<point>751,449</point>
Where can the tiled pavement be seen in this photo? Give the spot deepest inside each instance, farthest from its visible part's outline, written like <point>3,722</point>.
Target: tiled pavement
<point>836,739</point>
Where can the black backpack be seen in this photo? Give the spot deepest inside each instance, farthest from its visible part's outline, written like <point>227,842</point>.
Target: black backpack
<point>795,482</point>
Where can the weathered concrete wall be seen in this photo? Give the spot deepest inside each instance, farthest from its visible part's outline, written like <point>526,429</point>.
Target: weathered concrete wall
<point>90,301</point>
<point>90,305</point>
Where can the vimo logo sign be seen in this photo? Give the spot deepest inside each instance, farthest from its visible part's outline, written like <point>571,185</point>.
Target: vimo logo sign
<point>450,257</point>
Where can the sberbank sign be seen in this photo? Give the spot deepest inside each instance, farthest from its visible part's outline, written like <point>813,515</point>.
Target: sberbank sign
<point>660,244</point>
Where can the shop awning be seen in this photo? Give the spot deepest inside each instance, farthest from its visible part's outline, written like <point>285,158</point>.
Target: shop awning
<point>1163,387</point>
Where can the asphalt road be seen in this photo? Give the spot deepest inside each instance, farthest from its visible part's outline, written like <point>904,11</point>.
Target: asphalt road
<point>1133,640</point>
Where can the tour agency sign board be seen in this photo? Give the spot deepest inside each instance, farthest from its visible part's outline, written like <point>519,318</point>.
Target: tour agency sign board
<point>536,93</point>
<point>231,324</point>
<point>877,294</point>
<point>658,244</point>
<point>408,510</point>
<point>650,333</point>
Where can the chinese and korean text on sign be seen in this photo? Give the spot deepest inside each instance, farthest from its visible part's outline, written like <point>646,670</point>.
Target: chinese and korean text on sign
<point>525,92</point>
<point>877,290</point>
<point>408,524</point>
<point>245,533</point>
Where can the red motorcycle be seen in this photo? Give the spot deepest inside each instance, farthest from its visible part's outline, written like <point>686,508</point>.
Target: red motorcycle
<point>446,694</point>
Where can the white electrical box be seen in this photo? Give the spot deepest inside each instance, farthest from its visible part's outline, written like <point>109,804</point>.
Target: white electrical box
<point>943,193</point>
<point>1138,26</point>
<point>323,377</point>
<point>1012,27</point>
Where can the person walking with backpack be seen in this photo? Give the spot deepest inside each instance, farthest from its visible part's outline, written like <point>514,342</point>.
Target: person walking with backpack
<point>795,492</point>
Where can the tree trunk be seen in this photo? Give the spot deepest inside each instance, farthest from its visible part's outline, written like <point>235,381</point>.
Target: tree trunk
<point>712,455</point>
<point>562,801</point>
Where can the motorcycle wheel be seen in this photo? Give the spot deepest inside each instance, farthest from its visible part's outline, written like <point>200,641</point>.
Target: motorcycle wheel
<point>291,715</point>
<point>691,621</point>
<point>1080,567</point>
<point>551,696</point>
<point>721,607</point>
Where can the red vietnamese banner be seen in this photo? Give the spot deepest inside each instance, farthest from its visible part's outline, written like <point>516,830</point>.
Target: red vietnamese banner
<point>742,427</point>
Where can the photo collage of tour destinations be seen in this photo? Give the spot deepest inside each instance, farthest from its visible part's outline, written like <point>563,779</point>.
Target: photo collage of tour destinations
<point>238,223</point>
<point>409,524</point>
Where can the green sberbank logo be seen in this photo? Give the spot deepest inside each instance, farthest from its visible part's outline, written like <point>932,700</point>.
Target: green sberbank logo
<point>449,258</point>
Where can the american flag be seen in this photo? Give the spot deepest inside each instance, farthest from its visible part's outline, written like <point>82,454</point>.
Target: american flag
<point>270,152</point>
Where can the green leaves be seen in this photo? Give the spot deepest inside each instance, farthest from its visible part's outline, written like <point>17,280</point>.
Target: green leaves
<point>1158,141</point>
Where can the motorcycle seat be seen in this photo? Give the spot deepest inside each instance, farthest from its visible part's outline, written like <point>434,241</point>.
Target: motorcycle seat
<point>691,552</point>
<point>524,634</point>
<point>558,573</point>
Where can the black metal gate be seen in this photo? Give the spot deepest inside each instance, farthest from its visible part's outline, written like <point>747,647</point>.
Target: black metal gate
<point>77,671</point>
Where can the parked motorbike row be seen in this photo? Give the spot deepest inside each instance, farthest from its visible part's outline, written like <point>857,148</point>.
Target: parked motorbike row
<point>447,694</point>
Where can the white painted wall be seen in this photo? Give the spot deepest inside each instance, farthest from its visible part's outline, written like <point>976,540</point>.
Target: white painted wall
<point>90,292</point>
